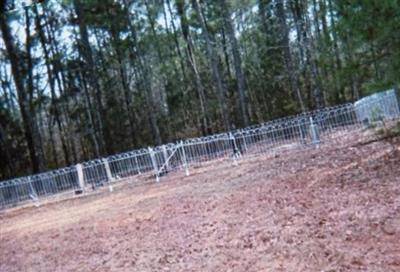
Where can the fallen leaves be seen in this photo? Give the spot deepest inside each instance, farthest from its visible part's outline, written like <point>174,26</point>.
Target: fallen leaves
<point>334,208</point>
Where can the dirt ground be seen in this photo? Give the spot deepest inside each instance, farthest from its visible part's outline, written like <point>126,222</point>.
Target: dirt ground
<point>335,207</point>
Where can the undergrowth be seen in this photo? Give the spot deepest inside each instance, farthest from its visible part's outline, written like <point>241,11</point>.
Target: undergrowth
<point>390,134</point>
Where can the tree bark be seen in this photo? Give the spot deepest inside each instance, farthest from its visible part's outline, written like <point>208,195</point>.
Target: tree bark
<point>293,78</point>
<point>54,107</point>
<point>335,48</point>
<point>204,109</point>
<point>86,53</point>
<point>18,77</point>
<point>240,80</point>
<point>213,61</point>
<point>311,61</point>
<point>142,73</point>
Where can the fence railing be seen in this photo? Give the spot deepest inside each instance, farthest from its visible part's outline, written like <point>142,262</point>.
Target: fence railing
<point>299,131</point>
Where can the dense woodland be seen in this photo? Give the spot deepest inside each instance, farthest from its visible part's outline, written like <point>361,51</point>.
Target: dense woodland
<point>80,79</point>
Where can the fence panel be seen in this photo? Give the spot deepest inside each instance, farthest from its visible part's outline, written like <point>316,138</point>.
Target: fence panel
<point>291,132</point>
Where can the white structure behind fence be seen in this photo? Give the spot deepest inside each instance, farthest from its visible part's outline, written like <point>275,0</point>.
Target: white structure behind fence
<point>302,130</point>
<point>377,106</point>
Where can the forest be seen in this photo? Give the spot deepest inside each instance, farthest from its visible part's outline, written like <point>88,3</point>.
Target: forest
<point>82,79</point>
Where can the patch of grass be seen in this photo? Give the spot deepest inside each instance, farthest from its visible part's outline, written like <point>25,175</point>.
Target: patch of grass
<point>389,132</point>
<point>391,135</point>
<point>396,130</point>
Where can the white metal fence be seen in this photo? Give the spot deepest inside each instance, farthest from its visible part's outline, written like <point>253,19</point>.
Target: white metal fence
<point>302,130</point>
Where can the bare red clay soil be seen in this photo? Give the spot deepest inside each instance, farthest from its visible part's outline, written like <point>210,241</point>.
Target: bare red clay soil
<point>332,208</point>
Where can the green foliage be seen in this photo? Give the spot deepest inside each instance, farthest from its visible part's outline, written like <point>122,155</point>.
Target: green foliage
<point>372,29</point>
<point>376,114</point>
<point>391,131</point>
<point>143,78</point>
<point>395,130</point>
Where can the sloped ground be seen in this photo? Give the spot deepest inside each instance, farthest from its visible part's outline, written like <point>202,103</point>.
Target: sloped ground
<point>332,208</point>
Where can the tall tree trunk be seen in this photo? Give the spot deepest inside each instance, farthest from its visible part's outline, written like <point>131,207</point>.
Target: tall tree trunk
<point>152,20</point>
<point>127,96</point>
<point>142,73</point>
<point>9,167</point>
<point>354,77</point>
<point>204,109</point>
<point>50,129</point>
<point>23,101</point>
<point>265,13</point>
<point>37,138</point>
<point>86,53</point>
<point>54,106</point>
<point>374,61</point>
<point>174,34</point>
<point>89,112</point>
<point>213,60</point>
<point>310,49</point>
<point>61,81</point>
<point>226,54</point>
<point>237,63</point>
<point>189,104</point>
<point>335,48</point>
<point>293,78</point>
<point>330,71</point>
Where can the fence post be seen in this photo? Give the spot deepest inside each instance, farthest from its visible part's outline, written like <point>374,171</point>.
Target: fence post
<point>302,125</point>
<point>165,155</point>
<point>34,194</point>
<point>154,162</point>
<point>314,132</point>
<point>236,152</point>
<point>108,170</point>
<point>108,173</point>
<point>81,178</point>
<point>396,104</point>
<point>185,164</point>
<point>244,141</point>
<point>137,165</point>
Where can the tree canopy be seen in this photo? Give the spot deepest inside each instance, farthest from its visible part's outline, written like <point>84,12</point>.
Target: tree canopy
<point>81,79</point>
